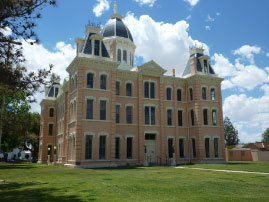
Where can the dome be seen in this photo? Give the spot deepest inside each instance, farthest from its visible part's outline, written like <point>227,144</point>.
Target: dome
<point>116,27</point>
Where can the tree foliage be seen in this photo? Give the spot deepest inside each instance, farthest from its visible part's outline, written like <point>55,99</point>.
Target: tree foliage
<point>21,127</point>
<point>230,132</point>
<point>265,135</point>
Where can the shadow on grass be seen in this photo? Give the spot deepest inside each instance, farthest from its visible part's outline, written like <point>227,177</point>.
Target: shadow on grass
<point>119,168</point>
<point>25,192</point>
<point>16,166</point>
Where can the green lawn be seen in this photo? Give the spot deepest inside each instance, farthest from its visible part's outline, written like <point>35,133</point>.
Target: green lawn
<point>236,165</point>
<point>34,182</point>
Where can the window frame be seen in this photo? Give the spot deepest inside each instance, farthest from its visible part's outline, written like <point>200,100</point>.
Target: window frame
<point>102,147</point>
<point>88,156</point>
<point>103,81</point>
<point>169,117</point>
<point>103,110</point>
<point>129,117</point>
<point>51,112</point>
<point>129,89</point>
<point>129,147</point>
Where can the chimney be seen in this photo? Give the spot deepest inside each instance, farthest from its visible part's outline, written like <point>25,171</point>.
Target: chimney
<point>173,72</point>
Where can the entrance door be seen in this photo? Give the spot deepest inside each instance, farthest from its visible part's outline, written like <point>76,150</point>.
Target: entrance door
<point>150,141</point>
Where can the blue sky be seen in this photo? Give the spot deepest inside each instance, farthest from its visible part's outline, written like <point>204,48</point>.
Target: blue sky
<point>234,33</point>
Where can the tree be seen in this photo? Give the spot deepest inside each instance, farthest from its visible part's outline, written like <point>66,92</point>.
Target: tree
<point>265,135</point>
<point>230,132</point>
<point>19,18</point>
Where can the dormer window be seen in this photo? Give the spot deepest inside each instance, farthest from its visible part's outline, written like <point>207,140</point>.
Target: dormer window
<point>205,66</point>
<point>97,47</point>
<point>51,92</point>
<point>125,56</point>
<point>119,55</point>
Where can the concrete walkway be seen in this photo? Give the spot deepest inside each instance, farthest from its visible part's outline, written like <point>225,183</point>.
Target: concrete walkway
<point>227,171</point>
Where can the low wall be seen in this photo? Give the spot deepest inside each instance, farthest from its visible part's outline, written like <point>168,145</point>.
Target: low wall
<point>238,155</point>
<point>260,155</point>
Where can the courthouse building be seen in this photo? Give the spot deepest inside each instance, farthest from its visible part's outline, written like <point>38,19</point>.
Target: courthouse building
<point>112,113</point>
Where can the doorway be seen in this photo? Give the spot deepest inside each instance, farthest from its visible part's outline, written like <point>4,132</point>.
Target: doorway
<point>150,146</point>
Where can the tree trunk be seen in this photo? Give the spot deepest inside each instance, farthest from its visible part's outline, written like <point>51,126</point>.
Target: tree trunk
<point>2,117</point>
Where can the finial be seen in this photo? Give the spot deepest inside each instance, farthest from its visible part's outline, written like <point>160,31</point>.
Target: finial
<point>115,7</point>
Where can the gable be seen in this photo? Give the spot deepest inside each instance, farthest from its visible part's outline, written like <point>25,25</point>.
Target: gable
<point>151,68</point>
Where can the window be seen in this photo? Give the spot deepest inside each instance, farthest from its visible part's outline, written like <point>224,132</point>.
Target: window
<point>129,115</point>
<point>117,149</point>
<point>88,147</point>
<point>129,148</point>
<point>50,129</point>
<point>90,80</point>
<point>205,117</point>
<point>179,98</point>
<point>204,93</point>
<point>205,66</point>
<point>170,148</point>
<point>191,94</point>
<point>181,148</point>
<point>146,89</point>
<point>193,148</point>
<point>102,147</point>
<point>207,148</point>
<point>192,117</point>
<point>119,55</point>
<point>117,88</point>
<point>51,92</point>
<point>149,115</point>
<point>169,117</point>
<point>76,82</point>
<point>96,47</point>
<point>214,117</point>
<point>128,89</point>
<point>56,92</point>
<point>149,136</point>
<point>168,94</point>
<point>213,96</point>
<point>125,56</point>
<point>102,110</point>
<point>89,111</point>
<point>49,150</point>
<point>103,79</point>
<point>216,147</point>
<point>180,117</point>
<point>117,113</point>
<point>51,112</point>
<point>149,90</point>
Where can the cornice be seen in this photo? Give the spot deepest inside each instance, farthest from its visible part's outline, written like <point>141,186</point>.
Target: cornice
<point>127,74</point>
<point>204,79</point>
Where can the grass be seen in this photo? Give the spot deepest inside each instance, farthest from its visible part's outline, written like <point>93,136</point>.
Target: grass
<point>236,165</point>
<point>32,182</point>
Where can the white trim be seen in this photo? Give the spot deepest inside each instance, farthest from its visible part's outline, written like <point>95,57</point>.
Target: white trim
<point>181,88</point>
<point>73,100</point>
<point>90,134</point>
<point>90,98</point>
<point>180,109</point>
<point>171,137</point>
<point>207,137</point>
<point>91,71</point>
<point>103,99</point>
<point>129,105</point>
<point>204,86</point>
<point>103,134</point>
<point>169,108</point>
<point>150,105</point>
<point>103,73</point>
<point>214,108</point>
<point>119,81</point>
<point>118,135</point>
<point>129,81</point>
<point>169,86</point>
<point>217,137</point>
<point>205,107</point>
<point>182,137</point>
<point>118,104</point>
<point>192,137</point>
<point>150,81</point>
<point>129,136</point>
<point>151,132</point>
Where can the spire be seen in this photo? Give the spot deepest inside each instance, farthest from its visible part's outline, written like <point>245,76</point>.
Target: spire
<point>115,7</point>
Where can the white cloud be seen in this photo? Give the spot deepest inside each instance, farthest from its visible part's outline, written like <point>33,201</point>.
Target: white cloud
<point>160,41</point>
<point>222,66</point>
<point>38,57</point>
<point>267,54</point>
<point>188,17</point>
<point>101,7</point>
<point>192,2</point>
<point>265,88</point>
<point>248,52</point>
<point>248,113</point>
<point>209,19</point>
<point>207,28</point>
<point>218,14</point>
<point>238,75</point>
<point>150,3</point>
<point>267,69</point>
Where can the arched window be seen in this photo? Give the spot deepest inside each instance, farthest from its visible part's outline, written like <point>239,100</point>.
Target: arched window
<point>90,80</point>
<point>128,89</point>
<point>179,98</point>
<point>204,93</point>
<point>125,56</point>
<point>213,94</point>
<point>119,55</point>
<point>103,79</point>
<point>168,94</point>
<point>191,94</point>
